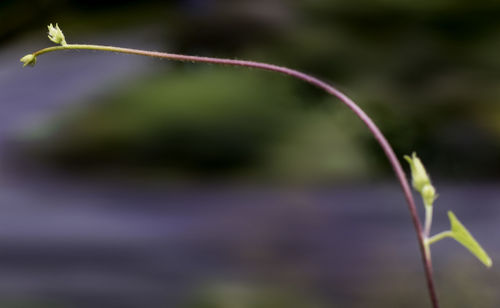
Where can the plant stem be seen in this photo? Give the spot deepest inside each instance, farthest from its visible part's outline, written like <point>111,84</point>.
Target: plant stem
<point>438,237</point>
<point>428,220</point>
<point>389,152</point>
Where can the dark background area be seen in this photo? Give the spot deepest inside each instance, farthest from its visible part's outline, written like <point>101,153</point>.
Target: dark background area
<point>130,182</point>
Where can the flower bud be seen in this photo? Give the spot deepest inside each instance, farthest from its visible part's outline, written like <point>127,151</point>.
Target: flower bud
<point>419,175</point>
<point>428,194</point>
<point>28,60</point>
<point>56,35</point>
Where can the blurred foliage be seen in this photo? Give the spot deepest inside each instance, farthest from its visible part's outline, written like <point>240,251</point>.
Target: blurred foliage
<point>206,120</point>
<point>394,285</point>
<point>230,295</point>
<point>199,120</point>
<point>426,71</point>
<point>459,285</point>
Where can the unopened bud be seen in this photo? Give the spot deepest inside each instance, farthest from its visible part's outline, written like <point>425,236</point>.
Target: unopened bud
<point>428,194</point>
<point>56,35</point>
<point>418,173</point>
<point>28,60</point>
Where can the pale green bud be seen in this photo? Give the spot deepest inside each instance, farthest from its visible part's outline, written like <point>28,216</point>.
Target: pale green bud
<point>428,194</point>
<point>56,35</point>
<point>28,60</point>
<point>418,173</point>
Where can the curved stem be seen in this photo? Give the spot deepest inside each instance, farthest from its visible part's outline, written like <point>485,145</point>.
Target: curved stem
<point>389,152</point>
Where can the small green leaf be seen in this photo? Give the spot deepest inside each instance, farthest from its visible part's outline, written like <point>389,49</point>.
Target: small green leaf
<point>462,235</point>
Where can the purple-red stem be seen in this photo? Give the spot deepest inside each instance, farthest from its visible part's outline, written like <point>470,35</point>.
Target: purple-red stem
<point>389,152</point>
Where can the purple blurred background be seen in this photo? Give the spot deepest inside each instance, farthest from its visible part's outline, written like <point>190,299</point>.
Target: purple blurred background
<point>133,182</point>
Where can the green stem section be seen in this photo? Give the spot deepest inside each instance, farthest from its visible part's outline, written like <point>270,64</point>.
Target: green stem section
<point>88,47</point>
<point>428,220</point>
<point>438,237</point>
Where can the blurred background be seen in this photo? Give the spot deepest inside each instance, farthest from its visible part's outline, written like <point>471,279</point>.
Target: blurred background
<point>134,182</point>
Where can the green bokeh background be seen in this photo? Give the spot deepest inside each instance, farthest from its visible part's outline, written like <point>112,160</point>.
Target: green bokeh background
<point>426,72</point>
